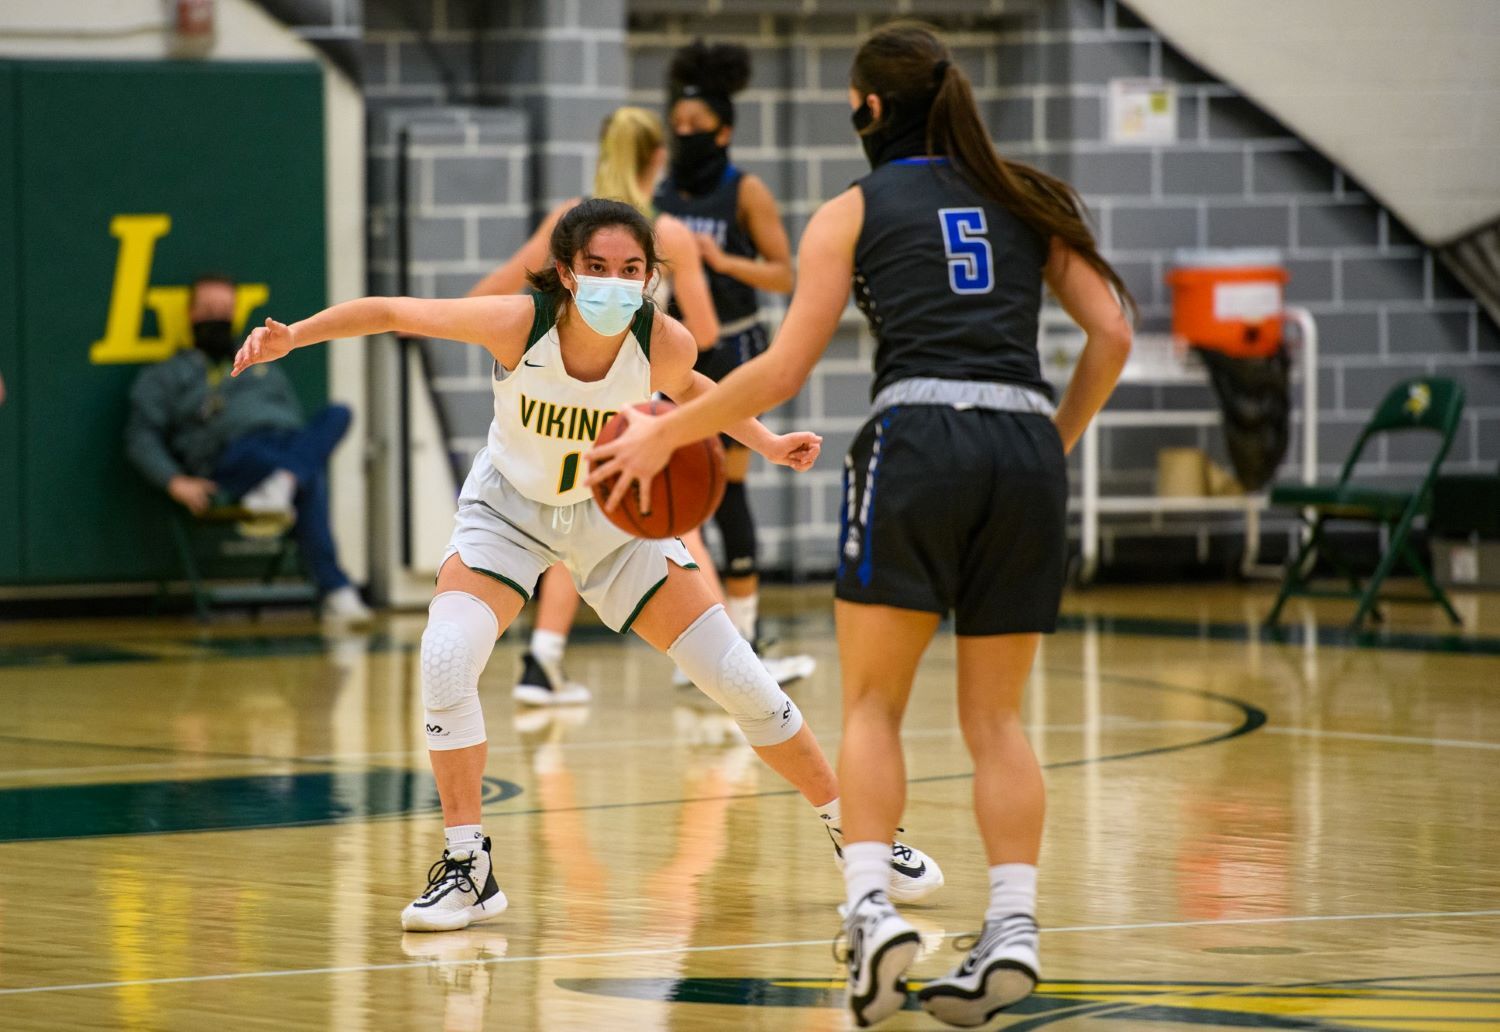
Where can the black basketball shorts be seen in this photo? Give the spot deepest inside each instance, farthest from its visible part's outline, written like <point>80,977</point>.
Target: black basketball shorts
<point>729,354</point>
<point>957,510</point>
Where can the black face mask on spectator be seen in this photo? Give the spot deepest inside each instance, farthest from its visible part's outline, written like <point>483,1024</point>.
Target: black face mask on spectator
<point>698,162</point>
<point>214,338</point>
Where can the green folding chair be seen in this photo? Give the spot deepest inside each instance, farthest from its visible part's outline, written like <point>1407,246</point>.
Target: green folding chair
<point>1431,404</point>
<point>217,544</point>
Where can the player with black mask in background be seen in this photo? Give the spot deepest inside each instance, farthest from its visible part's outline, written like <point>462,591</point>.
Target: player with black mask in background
<point>745,250</point>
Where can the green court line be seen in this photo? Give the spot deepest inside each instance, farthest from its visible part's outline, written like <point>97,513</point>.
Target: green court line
<point>42,812</point>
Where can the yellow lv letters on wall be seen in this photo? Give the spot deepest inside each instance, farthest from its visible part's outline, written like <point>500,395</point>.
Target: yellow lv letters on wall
<point>132,294</point>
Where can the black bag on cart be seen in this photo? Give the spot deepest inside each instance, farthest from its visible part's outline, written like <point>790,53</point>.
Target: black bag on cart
<point>1255,396</point>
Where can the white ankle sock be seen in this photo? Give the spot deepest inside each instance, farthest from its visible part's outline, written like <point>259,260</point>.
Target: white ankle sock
<point>464,838</point>
<point>548,646</point>
<point>833,818</point>
<point>743,612</point>
<point>1012,891</point>
<point>867,867</point>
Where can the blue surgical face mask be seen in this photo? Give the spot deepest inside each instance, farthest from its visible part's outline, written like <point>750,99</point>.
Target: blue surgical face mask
<point>607,303</point>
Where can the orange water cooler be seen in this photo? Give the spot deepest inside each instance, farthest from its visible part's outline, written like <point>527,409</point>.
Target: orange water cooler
<point>1229,300</point>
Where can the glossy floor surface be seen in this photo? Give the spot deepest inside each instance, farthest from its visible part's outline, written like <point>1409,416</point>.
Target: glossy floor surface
<point>216,829</point>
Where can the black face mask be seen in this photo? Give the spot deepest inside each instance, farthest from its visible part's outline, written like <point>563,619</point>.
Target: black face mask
<point>902,133</point>
<point>214,338</point>
<point>698,162</point>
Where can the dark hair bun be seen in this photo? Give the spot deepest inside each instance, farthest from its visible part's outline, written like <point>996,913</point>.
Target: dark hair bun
<point>721,68</point>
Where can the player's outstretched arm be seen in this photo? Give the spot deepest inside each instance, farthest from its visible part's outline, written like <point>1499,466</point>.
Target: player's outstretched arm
<point>672,373</point>
<point>798,449</point>
<point>497,324</point>
<point>1088,298</point>
<point>826,264</point>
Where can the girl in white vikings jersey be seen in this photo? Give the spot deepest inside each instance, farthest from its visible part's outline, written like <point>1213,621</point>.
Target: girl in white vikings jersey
<point>584,345</point>
<point>632,152</point>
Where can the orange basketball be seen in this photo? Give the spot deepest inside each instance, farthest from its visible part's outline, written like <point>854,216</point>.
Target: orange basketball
<point>683,495</point>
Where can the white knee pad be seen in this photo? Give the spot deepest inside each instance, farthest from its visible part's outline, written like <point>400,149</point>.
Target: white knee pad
<point>460,635</point>
<point>726,669</point>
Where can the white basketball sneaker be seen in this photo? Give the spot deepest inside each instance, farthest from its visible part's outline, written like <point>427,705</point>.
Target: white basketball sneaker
<point>783,670</point>
<point>544,684</point>
<point>914,874</point>
<point>881,946</point>
<point>999,972</point>
<point>460,891</point>
<point>273,496</point>
<point>343,607</point>
<point>786,669</point>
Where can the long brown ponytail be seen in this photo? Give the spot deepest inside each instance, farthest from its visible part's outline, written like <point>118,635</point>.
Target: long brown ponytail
<point>907,61</point>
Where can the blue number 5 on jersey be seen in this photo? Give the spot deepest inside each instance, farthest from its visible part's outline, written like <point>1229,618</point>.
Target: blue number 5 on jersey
<point>971,263</point>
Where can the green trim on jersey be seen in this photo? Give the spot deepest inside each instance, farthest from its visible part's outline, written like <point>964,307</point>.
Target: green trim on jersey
<point>525,595</point>
<point>630,622</point>
<point>543,318</point>
<point>641,325</point>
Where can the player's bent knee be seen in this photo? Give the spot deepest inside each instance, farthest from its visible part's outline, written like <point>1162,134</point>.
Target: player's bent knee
<point>774,728</point>
<point>726,669</point>
<point>456,645</point>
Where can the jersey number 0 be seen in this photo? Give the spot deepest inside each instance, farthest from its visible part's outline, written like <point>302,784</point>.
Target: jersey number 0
<point>971,263</point>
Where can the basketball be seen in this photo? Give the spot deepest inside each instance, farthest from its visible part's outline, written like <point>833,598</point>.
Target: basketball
<point>683,495</point>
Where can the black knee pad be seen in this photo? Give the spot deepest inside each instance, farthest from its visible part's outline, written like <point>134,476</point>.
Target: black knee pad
<point>737,528</point>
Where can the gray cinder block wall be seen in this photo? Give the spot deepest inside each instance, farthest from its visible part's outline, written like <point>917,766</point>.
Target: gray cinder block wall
<point>485,115</point>
<point>1385,308</point>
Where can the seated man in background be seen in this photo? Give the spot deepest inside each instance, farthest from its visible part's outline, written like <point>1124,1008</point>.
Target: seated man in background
<point>195,431</point>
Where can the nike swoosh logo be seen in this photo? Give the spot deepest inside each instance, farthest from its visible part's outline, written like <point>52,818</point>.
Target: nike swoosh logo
<point>910,872</point>
<point>533,365</point>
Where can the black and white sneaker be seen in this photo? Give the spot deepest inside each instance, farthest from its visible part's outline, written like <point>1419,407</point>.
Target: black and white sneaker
<point>914,874</point>
<point>543,684</point>
<point>1000,971</point>
<point>460,891</point>
<point>881,946</point>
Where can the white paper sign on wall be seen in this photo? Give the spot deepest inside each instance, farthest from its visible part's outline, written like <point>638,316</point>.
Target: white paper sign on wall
<point>1142,111</point>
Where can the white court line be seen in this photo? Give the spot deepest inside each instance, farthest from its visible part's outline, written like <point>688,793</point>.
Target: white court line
<point>678,950</point>
<point>1318,732</point>
<point>1360,736</point>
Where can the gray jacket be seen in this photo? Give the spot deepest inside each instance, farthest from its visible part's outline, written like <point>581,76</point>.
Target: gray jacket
<point>183,413</point>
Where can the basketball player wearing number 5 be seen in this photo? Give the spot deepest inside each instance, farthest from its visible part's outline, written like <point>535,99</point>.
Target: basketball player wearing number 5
<point>584,345</point>
<point>947,246</point>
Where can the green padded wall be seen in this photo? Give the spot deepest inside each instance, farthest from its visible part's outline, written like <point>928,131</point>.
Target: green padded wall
<point>132,177</point>
<point>10,411</point>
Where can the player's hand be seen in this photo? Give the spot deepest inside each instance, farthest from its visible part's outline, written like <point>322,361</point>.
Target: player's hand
<point>194,494</point>
<point>713,254</point>
<point>265,344</point>
<point>798,450</point>
<point>635,457</point>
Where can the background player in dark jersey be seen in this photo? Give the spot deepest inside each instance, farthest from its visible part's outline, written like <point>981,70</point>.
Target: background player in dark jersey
<point>745,249</point>
<point>956,488</point>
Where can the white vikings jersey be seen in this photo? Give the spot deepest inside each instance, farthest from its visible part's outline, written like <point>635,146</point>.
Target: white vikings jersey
<point>545,420</point>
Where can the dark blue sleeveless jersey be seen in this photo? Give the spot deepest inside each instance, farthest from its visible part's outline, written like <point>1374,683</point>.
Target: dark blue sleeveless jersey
<point>716,214</point>
<point>950,281</point>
